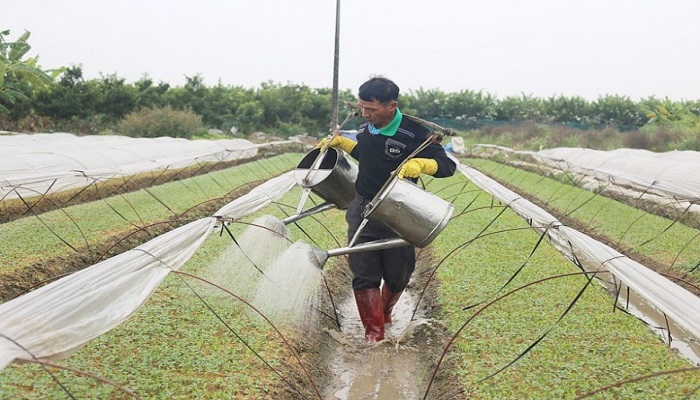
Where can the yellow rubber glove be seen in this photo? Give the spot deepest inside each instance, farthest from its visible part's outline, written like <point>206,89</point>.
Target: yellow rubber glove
<point>416,166</point>
<point>340,142</point>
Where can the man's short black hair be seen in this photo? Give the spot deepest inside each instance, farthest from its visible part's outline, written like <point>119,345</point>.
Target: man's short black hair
<point>380,89</point>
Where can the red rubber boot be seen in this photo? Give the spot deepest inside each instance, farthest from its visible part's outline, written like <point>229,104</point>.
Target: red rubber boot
<point>389,300</point>
<point>369,304</point>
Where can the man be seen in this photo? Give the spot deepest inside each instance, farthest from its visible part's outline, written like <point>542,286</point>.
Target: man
<point>383,142</point>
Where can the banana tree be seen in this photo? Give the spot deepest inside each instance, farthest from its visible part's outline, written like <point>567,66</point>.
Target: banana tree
<point>18,75</point>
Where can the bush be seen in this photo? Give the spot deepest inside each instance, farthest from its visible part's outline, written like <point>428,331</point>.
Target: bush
<point>636,140</point>
<point>664,138</point>
<point>607,138</point>
<point>161,121</point>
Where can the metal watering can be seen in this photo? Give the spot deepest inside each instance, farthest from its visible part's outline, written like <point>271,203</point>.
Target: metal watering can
<point>333,179</point>
<point>415,215</point>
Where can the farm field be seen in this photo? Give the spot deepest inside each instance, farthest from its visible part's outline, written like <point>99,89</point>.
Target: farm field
<point>191,340</point>
<point>661,243</point>
<point>51,242</point>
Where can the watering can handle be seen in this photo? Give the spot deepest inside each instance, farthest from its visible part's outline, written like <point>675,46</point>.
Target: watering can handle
<point>319,158</point>
<point>329,138</point>
<point>357,232</point>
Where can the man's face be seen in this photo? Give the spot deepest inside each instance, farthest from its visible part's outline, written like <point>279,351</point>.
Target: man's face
<point>376,113</point>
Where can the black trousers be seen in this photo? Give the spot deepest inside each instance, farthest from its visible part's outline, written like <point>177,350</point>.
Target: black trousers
<point>395,265</point>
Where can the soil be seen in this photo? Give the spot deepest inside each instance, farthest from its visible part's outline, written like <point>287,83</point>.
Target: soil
<point>346,367</point>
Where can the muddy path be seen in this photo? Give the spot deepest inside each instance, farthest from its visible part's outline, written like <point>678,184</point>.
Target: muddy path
<point>401,366</point>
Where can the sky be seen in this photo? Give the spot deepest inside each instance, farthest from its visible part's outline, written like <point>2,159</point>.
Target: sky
<point>541,48</point>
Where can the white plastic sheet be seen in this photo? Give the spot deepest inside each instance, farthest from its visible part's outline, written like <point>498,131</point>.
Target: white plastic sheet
<point>670,172</point>
<point>57,319</point>
<point>674,174</point>
<point>32,165</point>
<point>677,303</point>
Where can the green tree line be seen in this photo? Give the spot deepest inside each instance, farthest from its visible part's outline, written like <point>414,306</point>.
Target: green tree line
<point>32,99</point>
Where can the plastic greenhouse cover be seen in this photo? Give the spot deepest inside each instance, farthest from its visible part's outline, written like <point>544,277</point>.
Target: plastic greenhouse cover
<point>676,174</point>
<point>57,319</point>
<point>37,164</point>
<point>680,305</point>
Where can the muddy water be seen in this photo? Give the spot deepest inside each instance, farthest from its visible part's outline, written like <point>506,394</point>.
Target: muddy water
<point>387,370</point>
<point>385,374</point>
<point>680,341</point>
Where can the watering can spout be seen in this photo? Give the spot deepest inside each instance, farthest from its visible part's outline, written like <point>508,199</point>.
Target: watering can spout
<point>311,211</point>
<point>323,255</point>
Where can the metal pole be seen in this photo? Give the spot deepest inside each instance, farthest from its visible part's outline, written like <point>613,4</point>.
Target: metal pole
<point>334,95</point>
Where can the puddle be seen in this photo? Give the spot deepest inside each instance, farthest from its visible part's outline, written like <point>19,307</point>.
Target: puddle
<point>389,370</point>
<point>681,342</point>
<point>384,373</point>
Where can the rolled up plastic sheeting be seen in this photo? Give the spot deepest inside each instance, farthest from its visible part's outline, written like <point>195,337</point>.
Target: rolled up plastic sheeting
<point>57,319</point>
<point>680,305</point>
<point>258,198</point>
